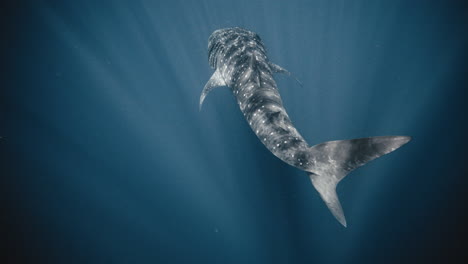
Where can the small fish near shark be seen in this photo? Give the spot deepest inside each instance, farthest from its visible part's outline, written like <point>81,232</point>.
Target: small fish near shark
<point>241,63</point>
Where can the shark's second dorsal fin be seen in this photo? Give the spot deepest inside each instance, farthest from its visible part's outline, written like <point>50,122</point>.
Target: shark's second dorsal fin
<point>216,80</point>
<point>278,69</point>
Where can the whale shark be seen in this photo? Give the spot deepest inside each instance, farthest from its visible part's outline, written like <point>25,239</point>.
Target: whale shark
<point>240,61</point>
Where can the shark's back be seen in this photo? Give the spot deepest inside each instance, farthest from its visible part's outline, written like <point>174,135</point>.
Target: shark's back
<point>242,62</point>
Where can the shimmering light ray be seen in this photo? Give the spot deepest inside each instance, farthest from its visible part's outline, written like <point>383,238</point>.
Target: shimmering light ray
<point>155,138</point>
<point>111,85</point>
<point>201,201</point>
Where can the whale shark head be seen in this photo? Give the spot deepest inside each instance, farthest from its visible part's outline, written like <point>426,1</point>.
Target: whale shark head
<point>222,39</point>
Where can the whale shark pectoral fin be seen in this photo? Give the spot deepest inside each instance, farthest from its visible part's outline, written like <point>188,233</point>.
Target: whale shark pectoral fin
<point>216,80</point>
<point>278,69</point>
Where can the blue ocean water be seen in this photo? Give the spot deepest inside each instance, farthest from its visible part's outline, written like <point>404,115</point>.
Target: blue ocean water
<point>108,160</point>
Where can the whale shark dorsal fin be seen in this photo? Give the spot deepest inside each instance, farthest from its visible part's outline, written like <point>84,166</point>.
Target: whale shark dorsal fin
<point>278,69</point>
<point>216,80</point>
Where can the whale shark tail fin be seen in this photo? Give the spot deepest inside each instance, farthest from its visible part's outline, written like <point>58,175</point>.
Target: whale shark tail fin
<point>335,159</point>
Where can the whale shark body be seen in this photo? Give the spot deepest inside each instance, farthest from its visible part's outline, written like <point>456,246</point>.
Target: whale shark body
<point>240,62</point>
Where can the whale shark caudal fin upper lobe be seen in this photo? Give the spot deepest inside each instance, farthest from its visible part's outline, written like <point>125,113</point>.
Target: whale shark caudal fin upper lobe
<point>216,80</point>
<point>335,159</point>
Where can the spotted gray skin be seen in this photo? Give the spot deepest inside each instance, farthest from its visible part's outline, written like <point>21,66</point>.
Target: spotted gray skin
<point>241,63</point>
<point>246,70</point>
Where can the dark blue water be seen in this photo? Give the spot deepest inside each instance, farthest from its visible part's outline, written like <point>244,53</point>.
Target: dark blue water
<point>106,158</point>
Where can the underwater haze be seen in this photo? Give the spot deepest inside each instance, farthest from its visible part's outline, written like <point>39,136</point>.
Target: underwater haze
<point>106,157</point>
